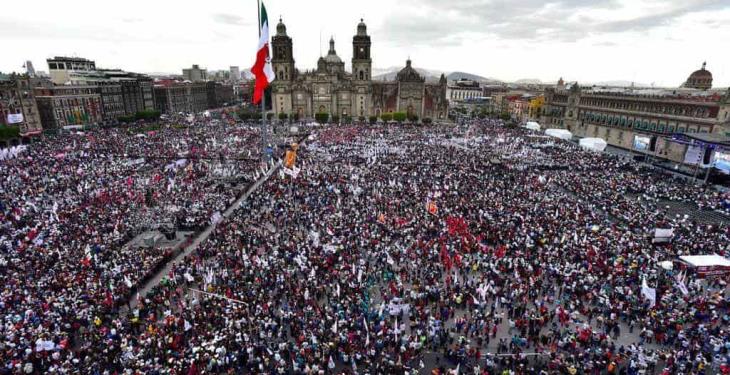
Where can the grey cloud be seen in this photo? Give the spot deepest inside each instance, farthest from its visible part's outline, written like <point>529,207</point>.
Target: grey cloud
<point>30,30</point>
<point>229,19</point>
<point>530,20</point>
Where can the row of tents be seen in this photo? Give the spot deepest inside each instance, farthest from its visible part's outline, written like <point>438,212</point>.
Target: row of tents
<point>593,144</point>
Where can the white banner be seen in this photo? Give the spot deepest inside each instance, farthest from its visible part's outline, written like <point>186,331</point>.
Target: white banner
<point>694,155</point>
<point>663,233</point>
<point>15,118</point>
<point>648,293</point>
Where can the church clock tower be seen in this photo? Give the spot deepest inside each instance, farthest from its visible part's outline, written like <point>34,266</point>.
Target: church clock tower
<point>361,61</point>
<point>362,71</point>
<point>282,62</point>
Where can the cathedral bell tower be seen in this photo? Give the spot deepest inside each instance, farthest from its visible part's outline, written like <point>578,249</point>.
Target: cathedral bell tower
<point>282,60</point>
<point>361,61</point>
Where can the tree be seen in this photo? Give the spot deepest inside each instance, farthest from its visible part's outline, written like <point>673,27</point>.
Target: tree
<point>386,117</point>
<point>294,116</point>
<point>505,116</point>
<point>400,116</point>
<point>427,120</point>
<point>347,119</point>
<point>361,119</point>
<point>269,116</point>
<point>283,116</point>
<point>413,118</point>
<point>321,117</point>
<point>335,119</point>
<point>9,132</point>
<point>373,119</point>
<point>126,119</point>
<point>147,115</point>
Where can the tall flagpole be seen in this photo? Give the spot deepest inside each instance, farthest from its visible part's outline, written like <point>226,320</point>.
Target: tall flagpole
<point>264,156</point>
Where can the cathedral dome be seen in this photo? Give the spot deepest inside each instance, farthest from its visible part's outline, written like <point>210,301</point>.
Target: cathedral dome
<point>332,57</point>
<point>408,74</point>
<point>699,79</point>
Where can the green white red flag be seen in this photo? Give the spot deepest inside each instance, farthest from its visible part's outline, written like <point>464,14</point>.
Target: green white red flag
<point>262,68</point>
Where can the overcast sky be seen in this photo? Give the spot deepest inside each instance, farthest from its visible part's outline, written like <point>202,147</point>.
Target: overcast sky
<point>658,42</point>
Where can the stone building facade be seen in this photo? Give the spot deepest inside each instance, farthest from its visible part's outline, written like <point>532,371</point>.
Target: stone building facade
<point>618,115</point>
<point>331,89</point>
<point>181,97</point>
<point>61,106</point>
<point>16,97</point>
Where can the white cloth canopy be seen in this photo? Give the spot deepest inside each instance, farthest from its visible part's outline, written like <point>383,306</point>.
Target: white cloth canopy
<point>713,260</point>
<point>532,125</point>
<point>593,144</point>
<point>559,133</point>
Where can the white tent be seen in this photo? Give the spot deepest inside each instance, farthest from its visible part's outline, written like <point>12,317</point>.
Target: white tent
<point>707,265</point>
<point>593,144</point>
<point>532,125</point>
<point>559,133</point>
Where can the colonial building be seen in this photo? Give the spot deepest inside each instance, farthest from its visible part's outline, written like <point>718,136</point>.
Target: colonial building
<point>619,115</point>
<point>219,94</point>
<point>61,68</point>
<point>18,105</point>
<point>61,106</point>
<point>462,90</point>
<point>122,93</point>
<point>331,89</point>
<point>175,97</point>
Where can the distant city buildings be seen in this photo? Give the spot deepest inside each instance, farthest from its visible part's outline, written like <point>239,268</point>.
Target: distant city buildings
<point>195,74</point>
<point>463,90</point>
<point>235,74</point>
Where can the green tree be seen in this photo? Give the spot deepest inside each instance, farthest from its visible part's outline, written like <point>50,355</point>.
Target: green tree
<point>399,116</point>
<point>269,116</point>
<point>373,119</point>
<point>427,120</point>
<point>321,117</point>
<point>347,119</point>
<point>9,132</point>
<point>126,119</point>
<point>386,117</point>
<point>147,115</point>
<point>335,119</point>
<point>361,119</point>
<point>283,116</point>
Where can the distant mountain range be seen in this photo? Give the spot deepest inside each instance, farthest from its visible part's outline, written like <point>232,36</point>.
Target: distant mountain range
<point>618,84</point>
<point>528,81</point>
<point>431,75</point>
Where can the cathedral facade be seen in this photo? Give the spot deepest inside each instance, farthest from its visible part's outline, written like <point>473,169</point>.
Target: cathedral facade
<point>331,89</point>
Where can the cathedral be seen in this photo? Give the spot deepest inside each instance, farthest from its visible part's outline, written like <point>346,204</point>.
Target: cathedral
<point>331,89</point>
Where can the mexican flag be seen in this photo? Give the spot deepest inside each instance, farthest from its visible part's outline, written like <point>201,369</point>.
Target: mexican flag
<point>262,68</point>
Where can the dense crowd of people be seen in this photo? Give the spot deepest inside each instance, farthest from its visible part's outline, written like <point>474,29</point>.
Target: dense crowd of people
<point>475,249</point>
<point>70,203</point>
